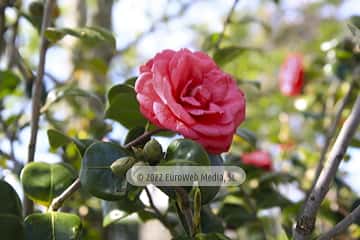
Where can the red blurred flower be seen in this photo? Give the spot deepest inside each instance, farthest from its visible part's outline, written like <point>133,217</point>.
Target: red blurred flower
<point>188,93</point>
<point>292,75</point>
<point>259,159</point>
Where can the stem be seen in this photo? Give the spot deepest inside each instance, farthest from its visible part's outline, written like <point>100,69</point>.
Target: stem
<point>185,209</point>
<point>59,201</point>
<point>330,134</point>
<point>36,99</point>
<point>342,225</point>
<point>143,137</point>
<point>306,221</point>
<point>159,215</point>
<point>226,23</point>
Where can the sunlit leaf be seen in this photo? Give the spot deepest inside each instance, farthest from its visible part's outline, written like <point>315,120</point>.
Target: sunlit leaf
<point>123,107</point>
<point>90,35</point>
<point>53,226</point>
<point>8,82</point>
<point>42,181</point>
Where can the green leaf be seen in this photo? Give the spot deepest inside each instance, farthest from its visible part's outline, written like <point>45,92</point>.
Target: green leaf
<point>53,225</point>
<point>11,224</point>
<point>10,203</point>
<point>8,82</point>
<point>208,193</point>
<point>186,149</point>
<point>225,55</point>
<point>247,135</point>
<point>96,175</point>
<point>123,107</point>
<point>89,35</point>
<point>57,139</point>
<point>43,181</point>
<point>184,152</point>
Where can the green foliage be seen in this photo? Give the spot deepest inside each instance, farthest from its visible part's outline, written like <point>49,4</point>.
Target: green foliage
<point>185,149</point>
<point>57,139</point>
<point>42,182</point>
<point>8,82</point>
<point>89,35</point>
<point>96,175</point>
<point>53,225</point>
<point>11,223</point>
<point>123,107</point>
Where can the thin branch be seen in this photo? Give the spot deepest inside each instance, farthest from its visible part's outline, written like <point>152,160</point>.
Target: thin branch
<point>36,98</point>
<point>143,137</point>
<point>184,203</point>
<point>59,201</point>
<point>306,221</point>
<point>159,215</point>
<point>226,23</point>
<point>342,225</point>
<point>330,134</point>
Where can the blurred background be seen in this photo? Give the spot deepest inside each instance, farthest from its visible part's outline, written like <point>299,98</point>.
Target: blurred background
<point>256,40</point>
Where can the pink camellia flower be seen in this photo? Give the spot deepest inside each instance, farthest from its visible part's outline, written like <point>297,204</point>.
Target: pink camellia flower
<point>187,92</point>
<point>259,159</point>
<point>292,75</point>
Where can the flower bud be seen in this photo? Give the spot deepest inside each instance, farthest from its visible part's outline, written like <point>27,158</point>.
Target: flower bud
<point>153,152</point>
<point>120,166</point>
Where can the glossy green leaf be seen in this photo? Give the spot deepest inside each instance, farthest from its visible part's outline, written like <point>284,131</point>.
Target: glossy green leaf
<point>43,181</point>
<point>10,203</point>
<point>186,149</point>
<point>96,175</point>
<point>53,226</point>
<point>57,139</point>
<point>11,223</point>
<point>90,35</point>
<point>123,107</point>
<point>8,82</point>
<point>186,152</point>
<point>208,193</point>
